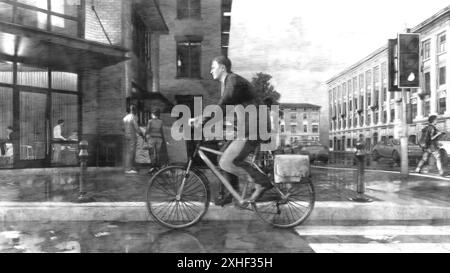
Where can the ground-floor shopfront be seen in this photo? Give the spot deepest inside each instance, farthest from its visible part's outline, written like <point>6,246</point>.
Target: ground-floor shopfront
<point>345,140</point>
<point>41,94</point>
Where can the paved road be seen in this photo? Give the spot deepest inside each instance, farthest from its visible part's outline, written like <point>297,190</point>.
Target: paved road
<point>224,237</point>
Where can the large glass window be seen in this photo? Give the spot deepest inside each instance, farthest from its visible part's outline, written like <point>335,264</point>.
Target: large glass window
<point>44,98</point>
<point>6,120</point>
<point>6,72</point>
<point>32,76</point>
<point>32,125</point>
<point>61,16</point>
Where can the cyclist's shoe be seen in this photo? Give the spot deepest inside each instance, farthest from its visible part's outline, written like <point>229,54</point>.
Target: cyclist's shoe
<point>222,200</point>
<point>244,206</point>
<point>259,191</point>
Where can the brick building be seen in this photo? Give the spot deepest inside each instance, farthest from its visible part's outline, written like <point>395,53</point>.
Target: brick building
<point>360,102</point>
<point>79,61</point>
<point>199,31</point>
<point>299,124</point>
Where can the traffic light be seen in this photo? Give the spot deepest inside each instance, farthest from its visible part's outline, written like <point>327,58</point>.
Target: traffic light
<point>409,60</point>
<point>392,65</point>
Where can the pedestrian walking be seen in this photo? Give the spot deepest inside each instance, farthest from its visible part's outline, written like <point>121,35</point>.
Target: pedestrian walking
<point>428,143</point>
<point>155,136</point>
<point>132,130</point>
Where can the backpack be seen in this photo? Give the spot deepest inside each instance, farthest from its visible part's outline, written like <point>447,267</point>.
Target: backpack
<point>425,138</point>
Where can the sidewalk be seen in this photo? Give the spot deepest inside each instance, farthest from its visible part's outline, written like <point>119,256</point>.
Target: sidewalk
<point>50,195</point>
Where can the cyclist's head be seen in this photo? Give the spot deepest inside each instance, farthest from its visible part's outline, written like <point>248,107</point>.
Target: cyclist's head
<point>432,119</point>
<point>219,66</point>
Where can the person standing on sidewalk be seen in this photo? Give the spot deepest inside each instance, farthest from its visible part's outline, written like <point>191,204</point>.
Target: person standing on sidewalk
<point>155,136</point>
<point>132,129</point>
<point>428,142</point>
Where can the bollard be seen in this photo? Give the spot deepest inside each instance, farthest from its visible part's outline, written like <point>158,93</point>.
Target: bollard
<point>360,187</point>
<point>83,155</point>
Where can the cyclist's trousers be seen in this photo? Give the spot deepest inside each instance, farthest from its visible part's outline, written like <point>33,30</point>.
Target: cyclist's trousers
<point>232,161</point>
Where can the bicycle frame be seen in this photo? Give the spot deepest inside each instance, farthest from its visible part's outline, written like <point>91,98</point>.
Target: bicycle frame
<point>201,151</point>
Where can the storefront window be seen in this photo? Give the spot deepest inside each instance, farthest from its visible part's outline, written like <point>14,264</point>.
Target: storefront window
<point>40,105</point>
<point>6,72</point>
<point>6,120</point>
<point>64,81</point>
<point>32,76</point>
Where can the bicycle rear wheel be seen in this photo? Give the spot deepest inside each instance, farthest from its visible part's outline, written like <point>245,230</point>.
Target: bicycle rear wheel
<point>174,211</point>
<point>290,211</point>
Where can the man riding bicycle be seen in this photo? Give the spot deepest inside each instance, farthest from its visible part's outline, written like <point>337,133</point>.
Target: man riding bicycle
<point>235,90</point>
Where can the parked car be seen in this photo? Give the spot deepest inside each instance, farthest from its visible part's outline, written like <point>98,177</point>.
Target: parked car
<point>390,148</point>
<point>444,148</point>
<point>316,152</point>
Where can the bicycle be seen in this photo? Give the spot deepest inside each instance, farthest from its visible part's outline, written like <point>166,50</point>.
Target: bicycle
<point>179,196</point>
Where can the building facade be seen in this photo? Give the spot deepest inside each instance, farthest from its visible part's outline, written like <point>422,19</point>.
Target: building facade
<point>74,60</point>
<point>199,31</point>
<point>360,102</point>
<point>299,124</point>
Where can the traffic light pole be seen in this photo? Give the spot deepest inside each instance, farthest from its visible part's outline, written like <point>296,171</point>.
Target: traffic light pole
<point>404,137</point>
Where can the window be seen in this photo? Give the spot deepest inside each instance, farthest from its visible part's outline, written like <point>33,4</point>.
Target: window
<point>384,81</point>
<point>426,108</point>
<point>188,62</point>
<point>392,115</point>
<point>442,106</point>
<point>282,128</point>
<point>442,75</point>
<point>426,50</point>
<point>441,43</point>
<point>294,116</point>
<point>368,119</point>
<point>414,110</point>
<point>427,84</point>
<point>384,117</point>
<point>62,17</point>
<point>293,129</point>
<point>305,128</point>
<point>188,9</point>
<point>369,87</point>
<point>315,129</point>
<point>350,105</point>
<point>305,116</point>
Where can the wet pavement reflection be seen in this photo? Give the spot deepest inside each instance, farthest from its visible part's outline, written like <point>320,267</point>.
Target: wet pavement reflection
<point>147,237</point>
<point>114,186</point>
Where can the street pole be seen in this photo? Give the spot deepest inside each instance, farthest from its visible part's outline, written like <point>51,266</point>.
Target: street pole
<point>404,137</point>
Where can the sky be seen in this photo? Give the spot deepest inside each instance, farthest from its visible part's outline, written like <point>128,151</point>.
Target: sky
<point>302,44</point>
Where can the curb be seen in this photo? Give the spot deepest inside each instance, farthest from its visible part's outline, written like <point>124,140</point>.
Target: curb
<point>137,211</point>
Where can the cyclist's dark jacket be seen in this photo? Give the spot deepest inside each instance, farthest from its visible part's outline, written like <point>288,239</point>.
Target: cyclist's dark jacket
<point>239,91</point>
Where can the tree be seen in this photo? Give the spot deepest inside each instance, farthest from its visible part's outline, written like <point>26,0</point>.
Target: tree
<point>265,91</point>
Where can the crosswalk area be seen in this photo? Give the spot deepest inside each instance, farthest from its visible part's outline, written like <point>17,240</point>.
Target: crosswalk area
<point>376,238</point>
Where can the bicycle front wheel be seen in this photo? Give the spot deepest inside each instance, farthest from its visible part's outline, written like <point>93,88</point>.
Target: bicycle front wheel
<point>172,208</point>
<point>289,210</point>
